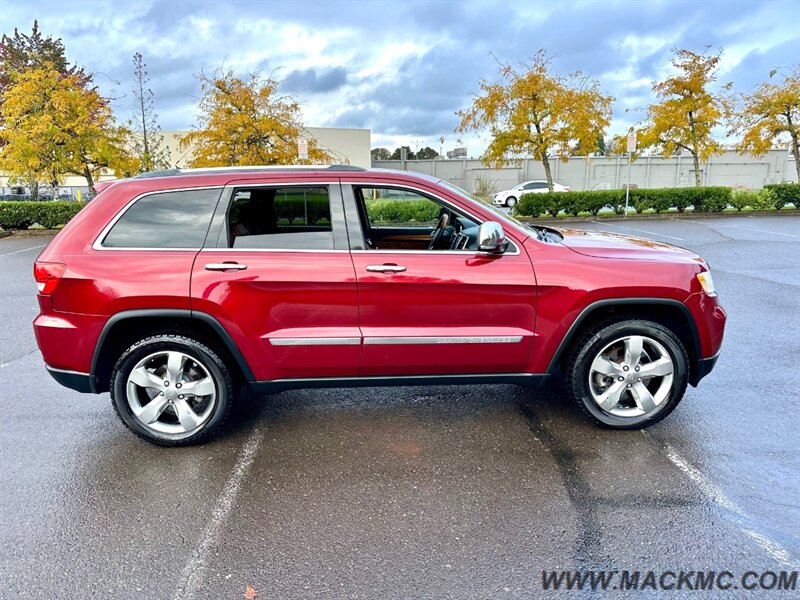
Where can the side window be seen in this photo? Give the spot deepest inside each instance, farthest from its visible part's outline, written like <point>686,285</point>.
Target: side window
<point>281,218</point>
<point>165,220</point>
<point>387,207</point>
<point>538,185</point>
<point>401,219</point>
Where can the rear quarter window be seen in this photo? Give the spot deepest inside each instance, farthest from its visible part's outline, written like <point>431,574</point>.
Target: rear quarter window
<point>165,220</point>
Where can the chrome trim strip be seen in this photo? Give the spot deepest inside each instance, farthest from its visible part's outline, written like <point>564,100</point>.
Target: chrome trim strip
<point>474,339</point>
<point>49,368</point>
<point>98,242</point>
<point>240,250</point>
<point>319,341</point>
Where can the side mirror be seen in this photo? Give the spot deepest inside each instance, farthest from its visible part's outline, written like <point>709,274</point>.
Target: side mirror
<point>491,237</point>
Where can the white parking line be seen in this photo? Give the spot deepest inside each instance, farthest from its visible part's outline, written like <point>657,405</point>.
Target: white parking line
<point>672,237</point>
<point>23,250</point>
<point>192,576</point>
<point>738,227</point>
<point>758,230</point>
<point>766,543</point>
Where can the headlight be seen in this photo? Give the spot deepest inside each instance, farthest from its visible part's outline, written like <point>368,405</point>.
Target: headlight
<point>707,282</point>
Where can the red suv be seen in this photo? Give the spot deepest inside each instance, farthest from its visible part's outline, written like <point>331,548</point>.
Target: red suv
<point>173,289</point>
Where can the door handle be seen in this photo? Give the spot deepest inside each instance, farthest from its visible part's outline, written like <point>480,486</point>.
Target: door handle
<point>385,268</point>
<point>231,266</point>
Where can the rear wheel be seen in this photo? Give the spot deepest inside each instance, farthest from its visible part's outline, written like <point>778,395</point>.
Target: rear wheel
<point>511,202</point>
<point>627,374</point>
<point>171,390</point>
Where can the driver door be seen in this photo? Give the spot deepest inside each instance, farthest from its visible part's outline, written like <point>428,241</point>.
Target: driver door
<point>435,312</point>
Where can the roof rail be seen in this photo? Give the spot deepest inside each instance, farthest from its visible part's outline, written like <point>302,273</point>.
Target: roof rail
<point>256,168</point>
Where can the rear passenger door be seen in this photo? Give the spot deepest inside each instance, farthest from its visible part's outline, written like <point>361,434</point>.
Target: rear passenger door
<point>277,274</point>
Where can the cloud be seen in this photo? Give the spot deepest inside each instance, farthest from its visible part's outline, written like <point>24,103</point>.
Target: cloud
<point>315,80</point>
<point>404,68</point>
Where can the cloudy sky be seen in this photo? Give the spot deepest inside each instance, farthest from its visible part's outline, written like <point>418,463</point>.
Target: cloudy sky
<point>403,68</point>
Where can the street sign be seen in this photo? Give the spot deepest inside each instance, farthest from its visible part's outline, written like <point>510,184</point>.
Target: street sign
<point>302,149</point>
<point>632,141</point>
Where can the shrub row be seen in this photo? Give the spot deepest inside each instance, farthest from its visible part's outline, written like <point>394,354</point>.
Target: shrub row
<point>702,199</point>
<point>785,193</point>
<point>21,215</point>
<point>401,211</point>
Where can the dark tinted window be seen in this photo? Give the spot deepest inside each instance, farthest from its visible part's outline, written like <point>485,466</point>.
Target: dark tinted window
<point>165,220</point>
<point>289,218</point>
<point>535,185</point>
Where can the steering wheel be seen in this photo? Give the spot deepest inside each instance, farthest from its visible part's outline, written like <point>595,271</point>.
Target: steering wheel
<point>438,232</point>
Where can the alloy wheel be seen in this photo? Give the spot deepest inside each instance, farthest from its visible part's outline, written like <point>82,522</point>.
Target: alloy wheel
<point>631,377</point>
<point>171,392</point>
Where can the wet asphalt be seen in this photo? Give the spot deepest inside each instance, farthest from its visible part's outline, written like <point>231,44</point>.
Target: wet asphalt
<point>417,492</point>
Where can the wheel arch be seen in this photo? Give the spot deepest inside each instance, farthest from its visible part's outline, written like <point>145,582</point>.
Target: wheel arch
<point>124,328</point>
<point>673,314</point>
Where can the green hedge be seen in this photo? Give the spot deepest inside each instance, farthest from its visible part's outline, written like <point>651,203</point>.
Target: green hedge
<point>704,199</point>
<point>785,193</point>
<point>402,211</point>
<point>293,207</point>
<point>21,215</point>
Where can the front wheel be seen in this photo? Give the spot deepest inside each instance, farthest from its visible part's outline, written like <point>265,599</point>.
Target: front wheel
<point>511,202</point>
<point>627,374</point>
<point>171,390</point>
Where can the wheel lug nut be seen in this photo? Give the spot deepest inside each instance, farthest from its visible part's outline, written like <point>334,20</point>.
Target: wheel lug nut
<point>181,396</point>
<point>162,393</point>
<point>639,379</point>
<point>621,379</point>
<point>177,385</point>
<point>629,385</point>
<point>166,384</point>
<point>637,368</point>
<point>625,368</point>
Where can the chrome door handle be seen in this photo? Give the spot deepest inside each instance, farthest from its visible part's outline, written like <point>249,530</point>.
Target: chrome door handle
<point>225,267</point>
<point>385,268</point>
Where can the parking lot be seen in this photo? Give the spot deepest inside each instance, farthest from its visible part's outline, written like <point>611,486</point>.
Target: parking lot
<point>416,492</point>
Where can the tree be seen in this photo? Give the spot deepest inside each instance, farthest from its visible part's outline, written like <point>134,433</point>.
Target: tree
<point>769,114</point>
<point>21,52</point>
<point>427,153</point>
<point>245,122</point>
<point>539,114</point>
<point>147,139</point>
<point>380,154</point>
<point>688,111</point>
<point>398,153</point>
<point>53,125</point>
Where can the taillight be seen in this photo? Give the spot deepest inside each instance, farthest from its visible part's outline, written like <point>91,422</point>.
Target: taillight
<point>47,275</point>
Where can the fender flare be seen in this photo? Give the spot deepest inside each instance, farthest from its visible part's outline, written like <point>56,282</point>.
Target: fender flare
<point>173,313</point>
<point>574,329</point>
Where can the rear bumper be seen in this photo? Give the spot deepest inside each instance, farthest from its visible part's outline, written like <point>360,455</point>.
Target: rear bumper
<point>80,382</point>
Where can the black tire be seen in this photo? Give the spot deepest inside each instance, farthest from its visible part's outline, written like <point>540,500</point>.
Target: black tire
<point>578,372</point>
<point>200,354</point>
<point>511,202</point>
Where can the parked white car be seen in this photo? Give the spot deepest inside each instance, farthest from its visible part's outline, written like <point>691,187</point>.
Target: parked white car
<point>511,197</point>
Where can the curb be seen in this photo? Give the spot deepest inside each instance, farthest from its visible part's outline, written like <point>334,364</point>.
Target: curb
<point>655,216</point>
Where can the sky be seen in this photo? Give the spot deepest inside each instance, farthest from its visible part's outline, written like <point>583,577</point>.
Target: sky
<point>404,68</point>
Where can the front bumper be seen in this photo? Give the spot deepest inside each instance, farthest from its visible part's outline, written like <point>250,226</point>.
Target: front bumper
<point>703,367</point>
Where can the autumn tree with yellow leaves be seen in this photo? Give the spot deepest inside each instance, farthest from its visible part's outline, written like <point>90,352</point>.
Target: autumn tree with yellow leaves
<point>768,115</point>
<point>245,122</point>
<point>54,125</point>
<point>688,110</point>
<point>533,112</point>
